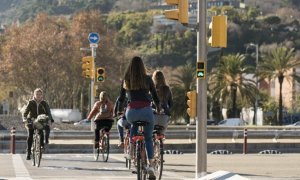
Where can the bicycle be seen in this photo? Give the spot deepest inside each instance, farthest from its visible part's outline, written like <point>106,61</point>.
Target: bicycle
<point>36,150</point>
<point>158,147</point>
<point>139,156</point>
<point>127,148</point>
<point>103,145</point>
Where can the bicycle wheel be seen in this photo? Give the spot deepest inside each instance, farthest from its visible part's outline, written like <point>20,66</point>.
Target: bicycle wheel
<point>105,147</point>
<point>139,162</point>
<point>127,152</point>
<point>158,158</point>
<point>96,152</point>
<point>33,150</point>
<point>38,151</point>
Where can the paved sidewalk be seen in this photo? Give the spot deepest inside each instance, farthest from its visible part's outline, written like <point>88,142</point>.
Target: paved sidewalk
<point>251,166</point>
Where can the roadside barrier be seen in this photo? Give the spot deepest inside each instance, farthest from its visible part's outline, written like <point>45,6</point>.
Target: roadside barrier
<point>245,142</point>
<point>13,140</point>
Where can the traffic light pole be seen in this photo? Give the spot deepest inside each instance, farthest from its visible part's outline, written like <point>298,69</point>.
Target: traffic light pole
<point>92,85</point>
<point>201,136</point>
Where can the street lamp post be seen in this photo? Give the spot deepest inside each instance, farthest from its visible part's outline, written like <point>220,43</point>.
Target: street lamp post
<point>256,84</point>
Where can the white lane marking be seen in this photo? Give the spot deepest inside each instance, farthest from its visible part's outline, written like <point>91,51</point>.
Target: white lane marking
<point>19,167</point>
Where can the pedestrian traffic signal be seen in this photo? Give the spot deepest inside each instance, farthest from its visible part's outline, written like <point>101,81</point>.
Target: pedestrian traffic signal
<point>88,67</point>
<point>181,13</point>
<point>191,102</point>
<point>100,74</point>
<point>201,70</point>
<point>218,28</point>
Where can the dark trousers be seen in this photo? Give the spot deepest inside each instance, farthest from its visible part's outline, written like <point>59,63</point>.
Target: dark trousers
<point>100,124</point>
<point>30,132</point>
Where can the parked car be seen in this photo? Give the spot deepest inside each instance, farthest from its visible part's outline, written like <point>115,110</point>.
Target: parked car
<point>232,122</point>
<point>211,122</point>
<point>83,123</point>
<point>294,124</point>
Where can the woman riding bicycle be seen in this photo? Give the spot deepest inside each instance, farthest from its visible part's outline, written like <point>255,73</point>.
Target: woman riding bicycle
<point>166,100</point>
<point>35,107</point>
<point>103,112</point>
<point>137,84</point>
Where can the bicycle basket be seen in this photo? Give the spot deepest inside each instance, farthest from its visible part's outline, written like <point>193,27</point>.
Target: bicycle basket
<point>41,121</point>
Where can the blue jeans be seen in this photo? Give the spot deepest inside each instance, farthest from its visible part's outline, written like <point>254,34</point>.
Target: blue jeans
<point>142,114</point>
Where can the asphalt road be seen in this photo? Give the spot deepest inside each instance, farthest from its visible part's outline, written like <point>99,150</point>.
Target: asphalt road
<point>177,166</point>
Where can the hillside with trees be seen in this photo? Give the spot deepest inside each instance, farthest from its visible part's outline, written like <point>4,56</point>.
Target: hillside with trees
<point>42,50</point>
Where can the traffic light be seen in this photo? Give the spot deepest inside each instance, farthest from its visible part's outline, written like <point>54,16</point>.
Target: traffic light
<point>218,28</point>
<point>191,102</point>
<point>88,67</point>
<point>201,70</point>
<point>100,74</point>
<point>181,13</point>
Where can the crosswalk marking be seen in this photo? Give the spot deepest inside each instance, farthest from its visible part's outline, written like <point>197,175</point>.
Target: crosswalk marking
<point>19,167</point>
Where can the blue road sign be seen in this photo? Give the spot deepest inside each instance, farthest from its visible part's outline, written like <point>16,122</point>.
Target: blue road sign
<point>94,38</point>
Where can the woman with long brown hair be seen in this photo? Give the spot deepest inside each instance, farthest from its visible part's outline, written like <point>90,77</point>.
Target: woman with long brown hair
<point>138,86</point>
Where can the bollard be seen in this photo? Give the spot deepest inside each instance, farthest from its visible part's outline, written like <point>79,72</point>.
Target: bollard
<point>13,140</point>
<point>245,142</point>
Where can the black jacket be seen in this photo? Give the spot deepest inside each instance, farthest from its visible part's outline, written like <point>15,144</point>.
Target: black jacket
<point>33,109</point>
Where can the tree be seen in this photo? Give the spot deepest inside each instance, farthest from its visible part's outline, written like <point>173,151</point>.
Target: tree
<point>228,82</point>
<point>278,64</point>
<point>184,81</point>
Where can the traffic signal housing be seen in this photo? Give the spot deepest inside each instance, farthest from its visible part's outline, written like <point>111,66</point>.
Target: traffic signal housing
<point>218,28</point>
<point>201,70</point>
<point>191,102</point>
<point>180,14</point>
<point>100,74</point>
<point>88,67</point>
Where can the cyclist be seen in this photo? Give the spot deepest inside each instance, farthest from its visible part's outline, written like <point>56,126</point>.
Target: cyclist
<point>137,84</point>
<point>103,112</point>
<point>121,123</point>
<point>35,107</point>
<point>166,101</point>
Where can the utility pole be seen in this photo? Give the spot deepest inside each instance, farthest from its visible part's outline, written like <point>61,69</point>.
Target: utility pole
<point>201,136</point>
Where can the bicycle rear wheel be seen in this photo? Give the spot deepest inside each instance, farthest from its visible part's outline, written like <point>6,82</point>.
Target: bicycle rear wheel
<point>139,162</point>
<point>105,147</point>
<point>127,152</point>
<point>96,152</point>
<point>158,158</point>
<point>38,151</point>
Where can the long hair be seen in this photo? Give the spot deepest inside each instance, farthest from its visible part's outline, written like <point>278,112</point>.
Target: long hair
<point>161,86</point>
<point>135,75</point>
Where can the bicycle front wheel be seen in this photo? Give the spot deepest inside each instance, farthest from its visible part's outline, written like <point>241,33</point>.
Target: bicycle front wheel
<point>38,151</point>
<point>105,147</point>
<point>33,150</point>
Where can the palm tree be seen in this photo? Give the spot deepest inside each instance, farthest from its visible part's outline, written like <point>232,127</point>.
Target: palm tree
<point>227,82</point>
<point>278,64</point>
<point>184,81</point>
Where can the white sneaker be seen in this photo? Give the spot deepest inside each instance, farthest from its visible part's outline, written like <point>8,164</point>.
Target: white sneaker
<point>150,171</point>
<point>127,156</point>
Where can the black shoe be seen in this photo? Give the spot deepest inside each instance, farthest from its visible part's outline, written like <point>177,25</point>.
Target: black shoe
<point>28,157</point>
<point>46,142</point>
<point>96,145</point>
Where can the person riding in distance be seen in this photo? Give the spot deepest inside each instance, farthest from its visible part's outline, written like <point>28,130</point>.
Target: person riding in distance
<point>137,84</point>
<point>121,123</point>
<point>166,101</point>
<point>35,107</point>
<point>103,112</point>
